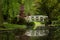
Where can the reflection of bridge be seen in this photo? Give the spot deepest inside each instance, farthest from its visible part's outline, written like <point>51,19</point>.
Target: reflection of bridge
<point>36,32</point>
<point>39,31</point>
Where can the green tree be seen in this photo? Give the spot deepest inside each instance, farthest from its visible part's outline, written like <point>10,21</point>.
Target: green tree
<point>1,14</point>
<point>11,8</point>
<point>50,8</point>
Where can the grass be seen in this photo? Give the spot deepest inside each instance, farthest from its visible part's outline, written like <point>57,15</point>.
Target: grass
<point>14,26</point>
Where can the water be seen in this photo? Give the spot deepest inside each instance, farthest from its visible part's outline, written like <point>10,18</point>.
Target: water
<point>36,32</point>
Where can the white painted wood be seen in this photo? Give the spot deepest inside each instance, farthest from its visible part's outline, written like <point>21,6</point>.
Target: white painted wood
<point>29,18</point>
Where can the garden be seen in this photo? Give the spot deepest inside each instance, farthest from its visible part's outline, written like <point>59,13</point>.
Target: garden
<point>18,17</point>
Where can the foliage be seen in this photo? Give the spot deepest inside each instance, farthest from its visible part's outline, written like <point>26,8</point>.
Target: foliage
<point>1,15</point>
<point>11,8</point>
<point>49,8</point>
<point>31,6</point>
<point>30,25</point>
<point>57,34</point>
<point>57,22</point>
<point>22,21</point>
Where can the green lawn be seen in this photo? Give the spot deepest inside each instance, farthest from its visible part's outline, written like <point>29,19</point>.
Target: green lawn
<point>14,26</point>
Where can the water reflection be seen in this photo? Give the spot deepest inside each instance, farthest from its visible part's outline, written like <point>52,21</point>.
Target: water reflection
<point>36,32</point>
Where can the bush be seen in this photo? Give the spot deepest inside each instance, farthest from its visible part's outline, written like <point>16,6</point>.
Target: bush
<point>30,25</point>
<point>21,21</point>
